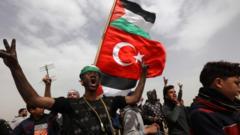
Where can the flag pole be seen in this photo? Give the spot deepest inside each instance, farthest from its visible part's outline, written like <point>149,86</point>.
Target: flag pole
<point>105,29</point>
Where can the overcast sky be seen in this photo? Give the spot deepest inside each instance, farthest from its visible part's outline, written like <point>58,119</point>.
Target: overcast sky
<point>67,34</point>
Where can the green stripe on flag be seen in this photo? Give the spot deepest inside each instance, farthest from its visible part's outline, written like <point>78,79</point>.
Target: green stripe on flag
<point>137,20</point>
<point>123,24</point>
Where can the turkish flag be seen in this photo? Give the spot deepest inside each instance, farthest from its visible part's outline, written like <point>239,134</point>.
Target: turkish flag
<point>121,54</point>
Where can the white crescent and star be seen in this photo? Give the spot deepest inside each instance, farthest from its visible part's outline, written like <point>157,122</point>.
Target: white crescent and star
<point>117,49</point>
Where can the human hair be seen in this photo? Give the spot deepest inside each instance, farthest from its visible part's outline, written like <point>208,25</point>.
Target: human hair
<point>166,89</point>
<point>21,110</point>
<point>73,91</point>
<point>151,93</point>
<point>221,69</point>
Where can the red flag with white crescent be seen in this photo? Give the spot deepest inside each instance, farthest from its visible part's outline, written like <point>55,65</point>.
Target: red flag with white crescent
<point>121,54</point>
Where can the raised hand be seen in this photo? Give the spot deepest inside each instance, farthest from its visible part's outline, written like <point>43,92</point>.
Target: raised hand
<point>9,55</point>
<point>165,81</point>
<point>144,67</point>
<point>180,85</point>
<point>151,129</point>
<point>133,99</point>
<point>25,89</point>
<point>47,80</point>
<point>180,92</point>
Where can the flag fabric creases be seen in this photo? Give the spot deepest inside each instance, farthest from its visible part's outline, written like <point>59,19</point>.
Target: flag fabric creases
<point>126,44</point>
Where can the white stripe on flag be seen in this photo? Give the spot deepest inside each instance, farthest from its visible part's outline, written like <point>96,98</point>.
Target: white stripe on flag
<point>137,20</point>
<point>107,91</point>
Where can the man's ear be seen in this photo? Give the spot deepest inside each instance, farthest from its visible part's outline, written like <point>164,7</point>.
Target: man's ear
<point>218,82</point>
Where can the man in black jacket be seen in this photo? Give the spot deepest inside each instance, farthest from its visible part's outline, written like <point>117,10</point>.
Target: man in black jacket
<point>215,111</point>
<point>152,110</point>
<point>91,114</point>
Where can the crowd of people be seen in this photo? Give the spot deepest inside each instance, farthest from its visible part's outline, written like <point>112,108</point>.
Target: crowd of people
<point>214,111</point>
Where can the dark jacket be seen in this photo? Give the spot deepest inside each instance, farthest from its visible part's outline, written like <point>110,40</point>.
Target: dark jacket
<point>47,122</point>
<point>84,121</point>
<point>213,114</point>
<point>5,128</point>
<point>177,118</point>
<point>150,111</point>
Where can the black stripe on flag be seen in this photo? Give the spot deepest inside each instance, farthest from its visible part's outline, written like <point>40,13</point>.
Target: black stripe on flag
<point>117,82</point>
<point>137,9</point>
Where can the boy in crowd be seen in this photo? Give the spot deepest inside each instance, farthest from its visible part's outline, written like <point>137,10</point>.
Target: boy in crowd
<point>215,111</point>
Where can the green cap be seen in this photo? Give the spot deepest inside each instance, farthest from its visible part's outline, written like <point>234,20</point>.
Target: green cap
<point>90,68</point>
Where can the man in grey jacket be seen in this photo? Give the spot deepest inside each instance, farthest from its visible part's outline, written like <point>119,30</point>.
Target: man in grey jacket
<point>133,122</point>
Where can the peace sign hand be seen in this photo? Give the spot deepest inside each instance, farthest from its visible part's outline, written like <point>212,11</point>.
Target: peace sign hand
<point>9,55</point>
<point>180,85</point>
<point>165,81</point>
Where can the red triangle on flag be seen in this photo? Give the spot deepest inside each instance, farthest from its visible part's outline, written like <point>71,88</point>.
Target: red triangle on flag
<point>99,91</point>
<point>118,11</point>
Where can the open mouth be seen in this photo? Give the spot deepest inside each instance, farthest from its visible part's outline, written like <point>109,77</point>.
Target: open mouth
<point>93,82</point>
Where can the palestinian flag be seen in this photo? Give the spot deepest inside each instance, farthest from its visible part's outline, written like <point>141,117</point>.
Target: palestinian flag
<point>126,44</point>
<point>130,17</point>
